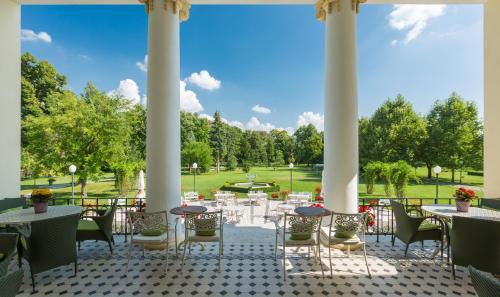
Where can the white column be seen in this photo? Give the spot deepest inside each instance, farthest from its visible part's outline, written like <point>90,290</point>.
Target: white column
<point>492,99</point>
<point>10,99</point>
<point>341,110</point>
<point>163,110</point>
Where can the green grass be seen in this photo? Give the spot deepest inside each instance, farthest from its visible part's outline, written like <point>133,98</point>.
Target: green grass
<point>304,179</point>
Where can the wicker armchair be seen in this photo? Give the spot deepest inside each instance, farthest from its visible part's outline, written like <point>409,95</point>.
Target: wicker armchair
<point>10,283</point>
<point>98,227</point>
<point>205,226</point>
<point>484,283</point>
<point>493,203</point>
<point>299,231</point>
<point>50,244</point>
<point>8,244</point>
<point>411,229</point>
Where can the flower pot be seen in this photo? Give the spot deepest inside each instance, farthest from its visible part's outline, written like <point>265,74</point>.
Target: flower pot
<point>462,205</point>
<point>40,207</point>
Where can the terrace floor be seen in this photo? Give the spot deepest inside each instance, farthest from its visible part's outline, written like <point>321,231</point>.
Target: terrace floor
<point>249,269</point>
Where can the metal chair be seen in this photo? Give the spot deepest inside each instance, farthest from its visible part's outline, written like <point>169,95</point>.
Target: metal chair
<point>299,231</point>
<point>205,227</point>
<point>148,228</point>
<point>347,229</point>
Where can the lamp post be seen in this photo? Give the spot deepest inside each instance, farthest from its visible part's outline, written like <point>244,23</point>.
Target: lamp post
<point>437,171</point>
<point>461,167</point>
<point>290,166</point>
<point>195,166</point>
<point>72,170</point>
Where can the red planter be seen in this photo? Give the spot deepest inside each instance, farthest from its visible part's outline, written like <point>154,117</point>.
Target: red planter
<point>40,207</point>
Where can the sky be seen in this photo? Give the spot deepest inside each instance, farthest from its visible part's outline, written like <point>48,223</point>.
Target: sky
<point>262,67</point>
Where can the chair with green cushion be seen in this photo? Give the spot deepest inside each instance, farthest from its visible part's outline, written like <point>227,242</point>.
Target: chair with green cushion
<point>148,228</point>
<point>207,227</point>
<point>349,230</point>
<point>485,284</point>
<point>411,229</point>
<point>98,227</point>
<point>299,231</point>
<point>10,283</point>
<point>10,203</point>
<point>492,203</point>
<point>476,242</point>
<point>50,244</point>
<point>8,244</point>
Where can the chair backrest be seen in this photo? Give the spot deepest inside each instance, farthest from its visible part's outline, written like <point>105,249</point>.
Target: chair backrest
<point>476,242</point>
<point>406,226</point>
<point>52,242</point>
<point>8,244</point>
<point>486,285</point>
<point>10,283</point>
<point>349,222</point>
<point>9,203</point>
<point>146,221</point>
<point>207,221</point>
<point>493,203</point>
<point>301,224</point>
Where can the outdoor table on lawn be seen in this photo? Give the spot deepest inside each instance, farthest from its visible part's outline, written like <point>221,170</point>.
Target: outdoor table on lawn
<point>312,211</point>
<point>446,212</point>
<point>182,211</point>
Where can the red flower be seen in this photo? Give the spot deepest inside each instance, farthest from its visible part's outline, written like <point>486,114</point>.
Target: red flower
<point>316,205</point>
<point>318,198</point>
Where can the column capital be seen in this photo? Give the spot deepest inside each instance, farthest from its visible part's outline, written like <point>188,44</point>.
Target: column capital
<point>324,7</point>
<point>182,6</point>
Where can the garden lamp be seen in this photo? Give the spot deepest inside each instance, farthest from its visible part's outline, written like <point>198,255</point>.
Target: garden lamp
<point>437,171</point>
<point>72,170</point>
<point>290,166</point>
<point>195,166</point>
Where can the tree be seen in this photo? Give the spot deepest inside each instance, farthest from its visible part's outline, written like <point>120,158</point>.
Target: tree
<point>197,152</point>
<point>39,80</point>
<point>393,133</point>
<point>282,143</point>
<point>218,139</point>
<point>455,130</point>
<point>308,144</point>
<point>90,132</point>
<point>270,151</point>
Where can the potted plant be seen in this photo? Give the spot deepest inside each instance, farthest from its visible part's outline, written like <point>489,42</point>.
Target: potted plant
<point>370,218</point>
<point>201,196</point>
<point>275,196</point>
<point>463,198</point>
<point>40,199</point>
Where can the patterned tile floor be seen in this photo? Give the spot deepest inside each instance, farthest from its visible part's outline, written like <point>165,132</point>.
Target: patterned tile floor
<point>249,269</point>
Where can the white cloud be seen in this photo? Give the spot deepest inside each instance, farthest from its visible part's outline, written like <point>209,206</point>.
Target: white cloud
<point>236,124</point>
<point>255,125</point>
<point>30,35</point>
<point>189,99</point>
<point>310,117</point>
<point>261,109</point>
<point>204,80</point>
<point>206,116</point>
<point>289,130</point>
<point>394,42</point>
<point>414,18</point>
<point>143,65</point>
<point>129,89</point>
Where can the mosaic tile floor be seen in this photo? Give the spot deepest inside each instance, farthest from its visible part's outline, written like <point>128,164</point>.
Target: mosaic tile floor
<point>249,269</point>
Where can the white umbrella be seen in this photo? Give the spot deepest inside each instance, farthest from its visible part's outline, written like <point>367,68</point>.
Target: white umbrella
<point>140,181</point>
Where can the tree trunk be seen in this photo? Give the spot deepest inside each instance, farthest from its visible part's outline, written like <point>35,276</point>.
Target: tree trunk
<point>83,185</point>
<point>218,162</point>
<point>453,175</point>
<point>429,171</point>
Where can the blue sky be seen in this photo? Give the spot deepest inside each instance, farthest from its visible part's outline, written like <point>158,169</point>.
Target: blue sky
<point>264,64</point>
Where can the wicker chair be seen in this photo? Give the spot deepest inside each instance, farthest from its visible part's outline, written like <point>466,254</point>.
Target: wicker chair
<point>9,282</point>
<point>411,229</point>
<point>205,226</point>
<point>50,244</point>
<point>484,283</point>
<point>299,231</point>
<point>493,203</point>
<point>349,230</point>
<point>98,227</point>
<point>148,228</point>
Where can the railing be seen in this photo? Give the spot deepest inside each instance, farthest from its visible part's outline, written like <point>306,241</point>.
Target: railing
<point>380,207</point>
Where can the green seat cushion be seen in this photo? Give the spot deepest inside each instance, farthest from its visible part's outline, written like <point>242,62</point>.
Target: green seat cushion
<point>152,232</point>
<point>88,225</point>
<point>2,256</point>
<point>206,233</point>
<point>300,236</point>
<point>205,227</point>
<point>427,226</point>
<point>345,234</point>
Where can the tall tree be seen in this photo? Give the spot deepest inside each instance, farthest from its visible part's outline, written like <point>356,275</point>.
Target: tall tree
<point>198,152</point>
<point>282,143</point>
<point>308,144</point>
<point>454,128</point>
<point>218,139</point>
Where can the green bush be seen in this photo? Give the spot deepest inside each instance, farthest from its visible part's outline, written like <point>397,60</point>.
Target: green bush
<point>401,175</point>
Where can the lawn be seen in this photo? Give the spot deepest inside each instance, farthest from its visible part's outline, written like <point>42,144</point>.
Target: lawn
<point>304,179</point>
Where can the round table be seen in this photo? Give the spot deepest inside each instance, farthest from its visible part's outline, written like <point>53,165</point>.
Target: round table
<point>191,209</point>
<point>28,215</point>
<point>312,211</point>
